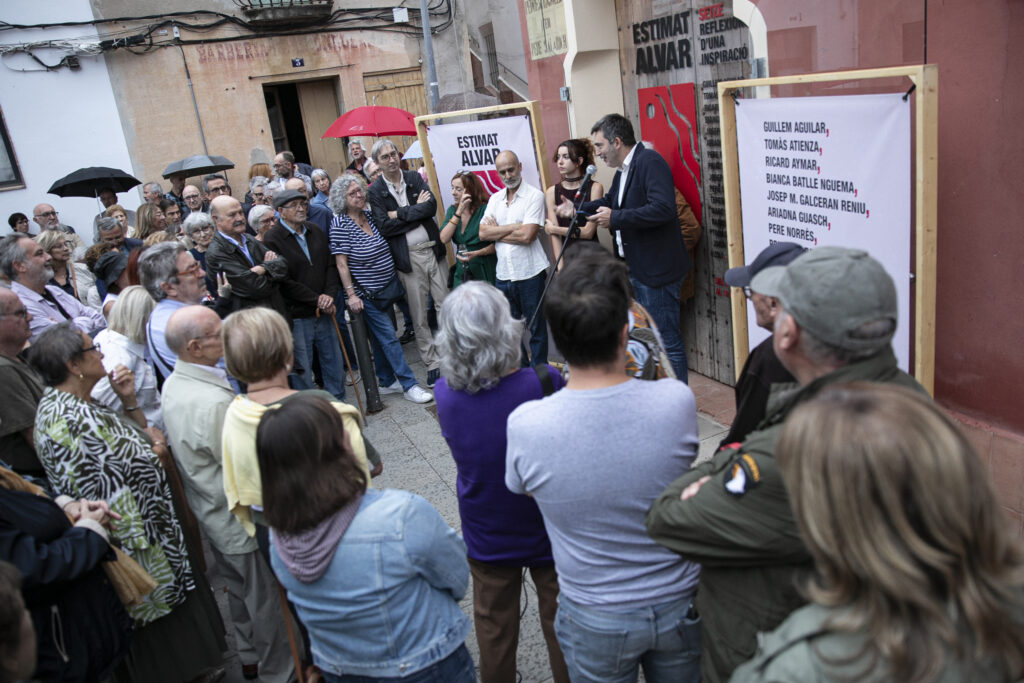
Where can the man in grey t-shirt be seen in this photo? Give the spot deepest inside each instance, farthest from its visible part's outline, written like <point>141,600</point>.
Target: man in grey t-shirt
<point>594,457</point>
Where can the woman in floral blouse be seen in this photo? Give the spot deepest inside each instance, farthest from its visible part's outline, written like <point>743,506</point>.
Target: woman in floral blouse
<point>90,452</point>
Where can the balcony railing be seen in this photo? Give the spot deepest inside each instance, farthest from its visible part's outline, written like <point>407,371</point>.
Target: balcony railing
<point>285,13</point>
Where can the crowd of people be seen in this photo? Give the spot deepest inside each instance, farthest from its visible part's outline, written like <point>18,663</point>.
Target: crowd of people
<point>184,379</point>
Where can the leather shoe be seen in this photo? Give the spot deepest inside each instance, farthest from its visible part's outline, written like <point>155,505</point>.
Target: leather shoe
<point>407,336</point>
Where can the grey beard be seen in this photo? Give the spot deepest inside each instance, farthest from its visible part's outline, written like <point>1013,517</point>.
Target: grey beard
<point>509,185</point>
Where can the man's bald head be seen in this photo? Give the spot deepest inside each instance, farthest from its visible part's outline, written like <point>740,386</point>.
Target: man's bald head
<point>228,216</point>
<point>45,216</point>
<point>297,184</point>
<point>193,333</point>
<point>506,155</point>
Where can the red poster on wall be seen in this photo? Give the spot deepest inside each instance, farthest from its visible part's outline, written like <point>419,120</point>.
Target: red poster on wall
<point>668,120</point>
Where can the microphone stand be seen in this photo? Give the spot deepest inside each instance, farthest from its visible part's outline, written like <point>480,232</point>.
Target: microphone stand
<point>572,233</point>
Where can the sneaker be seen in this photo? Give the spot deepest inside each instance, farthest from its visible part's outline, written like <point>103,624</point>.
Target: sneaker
<point>353,379</point>
<point>418,395</point>
<point>432,377</point>
<point>393,388</point>
<point>407,336</point>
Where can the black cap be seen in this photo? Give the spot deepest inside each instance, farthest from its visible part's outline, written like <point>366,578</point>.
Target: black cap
<point>109,266</point>
<point>282,198</point>
<point>778,254</point>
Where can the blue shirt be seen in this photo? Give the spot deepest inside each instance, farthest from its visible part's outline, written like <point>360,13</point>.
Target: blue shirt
<point>241,244</point>
<point>300,237</point>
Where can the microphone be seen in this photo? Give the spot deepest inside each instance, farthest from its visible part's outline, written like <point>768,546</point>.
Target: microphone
<point>591,170</point>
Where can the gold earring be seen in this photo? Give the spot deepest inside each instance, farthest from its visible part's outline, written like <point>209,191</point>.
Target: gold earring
<point>81,376</point>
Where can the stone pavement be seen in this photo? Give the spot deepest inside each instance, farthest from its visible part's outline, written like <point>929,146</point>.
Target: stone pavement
<point>416,458</point>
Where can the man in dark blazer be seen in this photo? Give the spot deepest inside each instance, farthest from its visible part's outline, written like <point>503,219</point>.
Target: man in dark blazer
<point>403,210</point>
<point>311,286</point>
<point>640,210</point>
<point>254,272</point>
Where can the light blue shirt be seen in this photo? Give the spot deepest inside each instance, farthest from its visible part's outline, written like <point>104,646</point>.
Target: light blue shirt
<point>161,355</point>
<point>241,245</point>
<point>45,314</point>
<point>300,237</point>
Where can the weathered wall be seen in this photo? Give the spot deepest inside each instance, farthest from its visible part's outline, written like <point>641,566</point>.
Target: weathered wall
<point>60,120</point>
<point>228,79</point>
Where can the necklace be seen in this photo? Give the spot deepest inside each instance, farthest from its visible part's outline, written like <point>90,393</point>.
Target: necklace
<point>572,180</point>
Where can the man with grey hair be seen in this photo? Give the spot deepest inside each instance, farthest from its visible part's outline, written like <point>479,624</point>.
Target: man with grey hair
<point>358,156</point>
<point>46,217</point>
<point>110,230</point>
<point>512,221</point>
<point>317,214</point>
<point>215,185</point>
<point>195,398</point>
<point>174,279</point>
<point>193,199</point>
<point>152,193</point>
<point>732,514</point>
<point>27,266</point>
<point>23,387</point>
<point>403,210</point>
<point>285,167</point>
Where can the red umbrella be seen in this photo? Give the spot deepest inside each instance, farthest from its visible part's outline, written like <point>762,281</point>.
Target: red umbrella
<point>372,120</point>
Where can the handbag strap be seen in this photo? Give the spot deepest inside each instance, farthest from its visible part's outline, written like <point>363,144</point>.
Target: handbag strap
<point>546,385</point>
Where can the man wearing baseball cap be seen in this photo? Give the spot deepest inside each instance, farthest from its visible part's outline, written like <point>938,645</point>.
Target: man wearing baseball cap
<point>732,514</point>
<point>762,368</point>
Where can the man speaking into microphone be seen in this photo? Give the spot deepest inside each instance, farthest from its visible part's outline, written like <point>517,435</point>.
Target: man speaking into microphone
<point>640,210</point>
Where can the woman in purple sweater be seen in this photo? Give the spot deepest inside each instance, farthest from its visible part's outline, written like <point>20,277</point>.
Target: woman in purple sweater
<point>481,384</point>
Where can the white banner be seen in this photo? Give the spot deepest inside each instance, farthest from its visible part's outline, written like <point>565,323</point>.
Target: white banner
<point>829,171</point>
<point>473,146</point>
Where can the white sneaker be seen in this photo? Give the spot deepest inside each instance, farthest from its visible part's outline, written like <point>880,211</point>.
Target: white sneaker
<point>349,381</point>
<point>418,395</point>
<point>394,388</point>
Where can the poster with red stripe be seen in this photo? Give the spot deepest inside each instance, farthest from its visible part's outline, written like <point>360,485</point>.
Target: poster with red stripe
<point>473,146</point>
<point>668,118</point>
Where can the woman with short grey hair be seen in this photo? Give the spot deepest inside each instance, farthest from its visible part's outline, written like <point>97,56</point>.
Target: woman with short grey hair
<point>322,185</point>
<point>199,229</point>
<point>261,219</point>
<point>479,343</point>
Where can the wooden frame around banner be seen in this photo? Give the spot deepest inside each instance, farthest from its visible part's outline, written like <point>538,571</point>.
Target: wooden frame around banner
<point>428,160</point>
<point>925,78</point>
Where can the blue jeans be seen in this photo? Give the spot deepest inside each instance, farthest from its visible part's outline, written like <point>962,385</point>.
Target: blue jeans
<point>609,647</point>
<point>318,332</point>
<point>388,359</point>
<point>524,298</point>
<point>455,668</point>
<point>663,305</point>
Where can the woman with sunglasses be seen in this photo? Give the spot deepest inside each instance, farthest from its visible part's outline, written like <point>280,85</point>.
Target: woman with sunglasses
<point>475,258</point>
<point>90,452</point>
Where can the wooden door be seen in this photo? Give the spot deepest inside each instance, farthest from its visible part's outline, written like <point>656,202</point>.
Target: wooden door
<point>402,88</point>
<point>319,103</point>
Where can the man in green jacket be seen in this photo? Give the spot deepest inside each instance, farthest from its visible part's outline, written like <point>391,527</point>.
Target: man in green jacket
<point>732,513</point>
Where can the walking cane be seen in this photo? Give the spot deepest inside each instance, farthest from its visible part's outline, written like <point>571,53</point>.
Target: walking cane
<point>344,353</point>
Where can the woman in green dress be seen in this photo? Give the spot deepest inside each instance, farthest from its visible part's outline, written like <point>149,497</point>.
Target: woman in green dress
<point>475,259</point>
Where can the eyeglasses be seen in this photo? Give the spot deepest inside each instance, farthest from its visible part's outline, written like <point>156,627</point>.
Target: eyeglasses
<point>47,214</point>
<point>95,347</point>
<point>223,189</point>
<point>355,192</point>
<point>190,196</point>
<point>20,313</point>
<point>202,229</point>
<point>297,204</point>
<point>257,195</point>
<point>191,270</point>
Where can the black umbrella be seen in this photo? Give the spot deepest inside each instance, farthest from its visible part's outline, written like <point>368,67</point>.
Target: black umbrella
<point>87,182</point>
<point>198,164</point>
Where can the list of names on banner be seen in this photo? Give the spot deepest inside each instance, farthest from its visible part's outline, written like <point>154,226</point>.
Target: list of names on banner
<point>803,196</point>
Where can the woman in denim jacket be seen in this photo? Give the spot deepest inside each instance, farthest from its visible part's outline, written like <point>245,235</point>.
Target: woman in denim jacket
<point>376,576</point>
